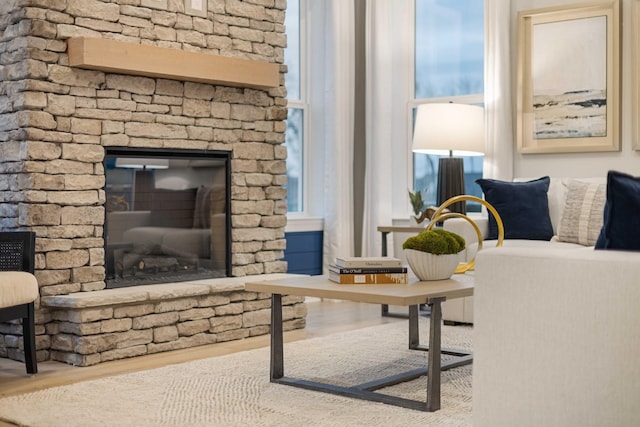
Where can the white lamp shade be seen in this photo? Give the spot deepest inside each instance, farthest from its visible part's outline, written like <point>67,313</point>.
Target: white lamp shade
<point>441,128</point>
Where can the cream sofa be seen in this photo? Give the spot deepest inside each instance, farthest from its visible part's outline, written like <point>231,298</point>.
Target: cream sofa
<point>555,337</point>
<point>461,309</point>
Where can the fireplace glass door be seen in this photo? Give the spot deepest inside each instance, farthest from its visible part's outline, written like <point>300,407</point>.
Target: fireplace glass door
<point>167,216</point>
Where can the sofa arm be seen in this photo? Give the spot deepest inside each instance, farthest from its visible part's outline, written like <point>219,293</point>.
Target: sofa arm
<point>553,332</point>
<point>466,230</point>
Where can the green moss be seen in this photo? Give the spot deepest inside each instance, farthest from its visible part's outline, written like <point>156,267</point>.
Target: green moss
<point>436,241</point>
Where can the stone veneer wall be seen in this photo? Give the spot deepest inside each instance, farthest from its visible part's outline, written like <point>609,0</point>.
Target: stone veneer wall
<point>56,120</point>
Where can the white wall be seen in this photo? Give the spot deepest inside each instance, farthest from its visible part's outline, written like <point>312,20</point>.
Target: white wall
<point>582,164</point>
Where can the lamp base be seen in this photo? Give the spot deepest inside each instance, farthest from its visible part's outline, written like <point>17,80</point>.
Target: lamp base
<point>451,182</point>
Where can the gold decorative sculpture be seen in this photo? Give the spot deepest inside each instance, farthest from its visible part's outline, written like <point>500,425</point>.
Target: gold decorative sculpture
<point>440,215</point>
<point>428,214</point>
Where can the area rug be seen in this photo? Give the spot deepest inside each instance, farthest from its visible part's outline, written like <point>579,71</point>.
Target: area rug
<point>234,390</point>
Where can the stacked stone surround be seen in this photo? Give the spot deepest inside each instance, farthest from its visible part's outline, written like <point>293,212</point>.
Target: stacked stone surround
<point>55,122</point>
<point>119,323</point>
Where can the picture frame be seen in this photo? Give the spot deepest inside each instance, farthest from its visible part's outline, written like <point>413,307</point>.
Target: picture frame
<point>568,79</point>
<point>635,69</point>
<point>196,7</point>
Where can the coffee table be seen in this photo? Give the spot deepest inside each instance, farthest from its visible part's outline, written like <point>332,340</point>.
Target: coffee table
<point>411,295</point>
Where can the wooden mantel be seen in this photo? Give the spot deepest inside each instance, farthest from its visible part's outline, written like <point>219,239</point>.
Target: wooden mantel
<point>152,61</point>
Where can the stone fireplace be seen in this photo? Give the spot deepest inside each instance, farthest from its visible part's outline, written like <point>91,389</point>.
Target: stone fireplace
<point>65,122</point>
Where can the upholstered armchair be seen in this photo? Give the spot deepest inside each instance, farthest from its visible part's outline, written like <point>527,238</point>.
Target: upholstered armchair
<point>19,287</point>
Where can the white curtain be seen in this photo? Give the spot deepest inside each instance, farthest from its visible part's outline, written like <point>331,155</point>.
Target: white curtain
<point>389,51</point>
<point>339,94</point>
<point>498,160</point>
<point>379,138</point>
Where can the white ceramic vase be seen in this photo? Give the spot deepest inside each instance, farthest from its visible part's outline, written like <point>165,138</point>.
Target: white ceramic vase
<point>432,267</point>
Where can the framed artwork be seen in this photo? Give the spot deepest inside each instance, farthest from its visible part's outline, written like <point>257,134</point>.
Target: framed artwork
<point>569,78</point>
<point>635,69</point>
<point>155,4</point>
<point>196,7</point>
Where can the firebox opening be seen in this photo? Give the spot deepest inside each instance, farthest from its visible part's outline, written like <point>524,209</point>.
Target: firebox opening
<point>167,216</point>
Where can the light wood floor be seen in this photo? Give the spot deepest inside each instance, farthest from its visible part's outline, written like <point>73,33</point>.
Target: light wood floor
<point>324,318</point>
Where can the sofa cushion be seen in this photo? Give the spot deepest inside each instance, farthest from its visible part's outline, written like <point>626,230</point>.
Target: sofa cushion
<point>522,206</point>
<point>558,192</point>
<point>621,227</point>
<point>581,220</point>
<point>173,208</point>
<point>17,287</point>
<point>472,248</point>
<point>190,243</point>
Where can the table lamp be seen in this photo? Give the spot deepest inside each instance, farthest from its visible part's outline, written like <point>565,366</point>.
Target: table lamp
<point>453,129</point>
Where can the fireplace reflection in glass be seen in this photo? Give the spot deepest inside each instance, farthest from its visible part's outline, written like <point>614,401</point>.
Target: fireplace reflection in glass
<point>167,216</point>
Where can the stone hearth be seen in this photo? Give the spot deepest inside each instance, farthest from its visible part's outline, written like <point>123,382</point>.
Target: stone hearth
<point>55,122</point>
<point>95,327</point>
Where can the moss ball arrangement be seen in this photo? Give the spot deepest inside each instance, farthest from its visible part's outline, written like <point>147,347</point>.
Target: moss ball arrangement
<point>436,241</point>
<point>434,254</point>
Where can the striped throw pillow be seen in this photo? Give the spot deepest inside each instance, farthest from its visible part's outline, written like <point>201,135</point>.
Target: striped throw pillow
<point>582,216</point>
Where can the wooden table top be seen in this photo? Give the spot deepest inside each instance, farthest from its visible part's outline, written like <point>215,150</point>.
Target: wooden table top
<point>413,293</point>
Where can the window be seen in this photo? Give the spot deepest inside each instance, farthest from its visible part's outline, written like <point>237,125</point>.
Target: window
<point>449,67</point>
<point>294,80</point>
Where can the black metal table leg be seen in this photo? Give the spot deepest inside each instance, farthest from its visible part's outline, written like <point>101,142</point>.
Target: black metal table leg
<point>277,352</point>
<point>384,307</point>
<point>434,356</point>
<point>414,333</point>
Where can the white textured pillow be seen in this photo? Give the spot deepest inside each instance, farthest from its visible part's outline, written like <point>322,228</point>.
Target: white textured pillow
<point>583,212</point>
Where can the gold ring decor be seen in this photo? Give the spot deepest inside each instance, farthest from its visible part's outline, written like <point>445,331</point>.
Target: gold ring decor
<point>438,216</point>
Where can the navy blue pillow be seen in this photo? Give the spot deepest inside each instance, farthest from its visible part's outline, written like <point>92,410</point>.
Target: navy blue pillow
<point>523,207</point>
<point>621,222</point>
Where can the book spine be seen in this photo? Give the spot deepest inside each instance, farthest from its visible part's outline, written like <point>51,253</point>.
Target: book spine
<point>366,270</point>
<point>368,264</point>
<point>369,279</point>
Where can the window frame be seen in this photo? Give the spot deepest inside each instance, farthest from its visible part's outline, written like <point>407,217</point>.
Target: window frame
<point>476,98</point>
<point>303,104</point>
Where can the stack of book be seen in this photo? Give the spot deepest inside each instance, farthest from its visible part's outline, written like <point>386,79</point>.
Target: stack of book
<point>368,271</point>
